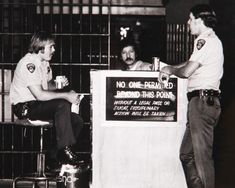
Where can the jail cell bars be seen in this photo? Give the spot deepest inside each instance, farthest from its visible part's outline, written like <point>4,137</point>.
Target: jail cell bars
<point>179,43</point>
<point>82,31</point>
<point>18,149</point>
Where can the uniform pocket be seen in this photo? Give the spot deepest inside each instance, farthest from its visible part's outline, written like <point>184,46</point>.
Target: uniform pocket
<point>211,113</point>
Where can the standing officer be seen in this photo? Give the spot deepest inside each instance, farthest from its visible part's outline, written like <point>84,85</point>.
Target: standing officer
<point>203,70</point>
<point>33,96</point>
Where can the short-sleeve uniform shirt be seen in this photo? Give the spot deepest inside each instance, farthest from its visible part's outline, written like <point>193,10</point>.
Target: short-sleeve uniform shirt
<point>208,51</point>
<point>29,71</point>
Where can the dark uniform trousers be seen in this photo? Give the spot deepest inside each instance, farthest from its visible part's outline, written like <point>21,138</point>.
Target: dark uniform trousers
<point>197,144</point>
<point>68,125</point>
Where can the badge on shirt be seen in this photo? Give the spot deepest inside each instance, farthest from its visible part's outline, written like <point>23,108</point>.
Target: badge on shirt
<point>200,43</point>
<point>30,67</point>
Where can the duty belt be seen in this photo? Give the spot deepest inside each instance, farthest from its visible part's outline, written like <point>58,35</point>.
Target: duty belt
<point>21,110</point>
<point>203,93</point>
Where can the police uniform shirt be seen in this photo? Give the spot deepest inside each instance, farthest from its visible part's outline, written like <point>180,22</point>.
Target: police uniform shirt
<point>208,51</point>
<point>29,71</point>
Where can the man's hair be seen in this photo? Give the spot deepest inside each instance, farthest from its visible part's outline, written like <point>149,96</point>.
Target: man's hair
<point>206,13</point>
<point>39,40</point>
<point>128,42</point>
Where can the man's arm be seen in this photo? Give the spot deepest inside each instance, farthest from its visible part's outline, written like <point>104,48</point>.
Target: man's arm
<point>51,85</point>
<point>43,95</point>
<point>183,70</point>
<point>180,65</point>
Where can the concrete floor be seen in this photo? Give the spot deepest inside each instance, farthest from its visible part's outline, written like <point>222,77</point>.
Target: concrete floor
<point>7,183</point>
<point>81,181</point>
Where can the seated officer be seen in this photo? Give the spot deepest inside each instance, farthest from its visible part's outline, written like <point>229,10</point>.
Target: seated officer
<point>33,95</point>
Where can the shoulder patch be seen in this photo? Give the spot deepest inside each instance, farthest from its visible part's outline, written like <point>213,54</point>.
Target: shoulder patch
<point>31,67</point>
<point>200,43</point>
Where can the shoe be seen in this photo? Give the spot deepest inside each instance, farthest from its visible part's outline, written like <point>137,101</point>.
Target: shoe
<point>84,167</point>
<point>67,156</point>
<point>53,166</point>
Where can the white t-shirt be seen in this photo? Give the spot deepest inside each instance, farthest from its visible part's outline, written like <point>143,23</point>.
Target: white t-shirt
<point>140,65</point>
<point>29,71</point>
<point>208,51</point>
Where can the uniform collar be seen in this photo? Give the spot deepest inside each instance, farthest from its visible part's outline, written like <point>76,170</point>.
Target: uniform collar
<point>206,33</point>
<point>36,59</point>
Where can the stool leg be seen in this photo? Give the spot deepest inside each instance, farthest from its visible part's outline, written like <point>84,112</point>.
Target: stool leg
<point>41,164</point>
<point>47,183</point>
<point>33,184</point>
<point>14,183</point>
<point>41,157</point>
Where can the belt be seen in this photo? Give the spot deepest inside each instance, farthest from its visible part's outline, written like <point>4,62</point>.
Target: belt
<point>203,93</point>
<point>21,109</point>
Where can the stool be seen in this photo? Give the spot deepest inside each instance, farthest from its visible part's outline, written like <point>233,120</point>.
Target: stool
<point>40,175</point>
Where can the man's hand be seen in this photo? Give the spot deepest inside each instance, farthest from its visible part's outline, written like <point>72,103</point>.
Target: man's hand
<point>164,75</point>
<point>73,97</point>
<point>166,70</point>
<point>61,82</point>
<point>65,82</point>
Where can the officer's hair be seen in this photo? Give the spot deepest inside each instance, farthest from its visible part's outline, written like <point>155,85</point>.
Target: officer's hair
<point>39,40</point>
<point>206,13</point>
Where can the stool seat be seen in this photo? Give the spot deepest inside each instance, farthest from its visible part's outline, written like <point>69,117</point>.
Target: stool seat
<point>34,123</point>
<point>40,175</point>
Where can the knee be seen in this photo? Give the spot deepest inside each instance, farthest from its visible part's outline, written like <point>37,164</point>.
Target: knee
<point>63,105</point>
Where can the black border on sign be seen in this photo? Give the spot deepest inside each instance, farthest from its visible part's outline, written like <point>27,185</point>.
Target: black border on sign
<point>143,95</point>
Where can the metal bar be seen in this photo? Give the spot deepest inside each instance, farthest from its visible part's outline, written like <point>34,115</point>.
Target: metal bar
<point>80,42</point>
<point>55,3</point>
<point>12,149</point>
<point>2,88</point>
<point>18,152</point>
<point>51,15</point>
<point>65,63</point>
<point>80,31</point>
<point>70,38</point>
<point>109,32</point>
<point>41,15</point>
<point>2,148</point>
<point>61,30</point>
<point>100,31</point>
<point>61,34</point>
<point>90,31</point>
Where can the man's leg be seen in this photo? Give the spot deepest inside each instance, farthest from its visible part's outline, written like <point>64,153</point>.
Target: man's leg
<point>188,162</point>
<point>77,124</point>
<point>60,111</point>
<point>202,120</point>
